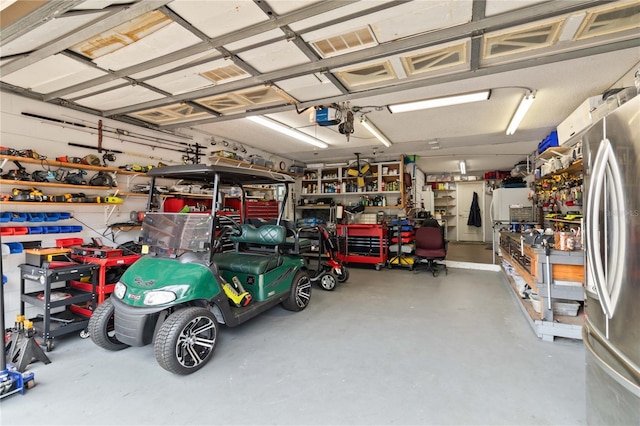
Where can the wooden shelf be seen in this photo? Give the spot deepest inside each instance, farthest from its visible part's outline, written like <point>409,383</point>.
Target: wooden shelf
<point>53,185</point>
<point>53,163</point>
<point>48,203</point>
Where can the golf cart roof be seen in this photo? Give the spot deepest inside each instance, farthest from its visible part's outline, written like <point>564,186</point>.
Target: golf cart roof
<point>231,175</point>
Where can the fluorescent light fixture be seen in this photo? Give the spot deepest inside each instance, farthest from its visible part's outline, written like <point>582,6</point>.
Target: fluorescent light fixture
<point>440,102</point>
<point>463,168</point>
<point>374,131</point>
<point>286,130</point>
<point>524,106</point>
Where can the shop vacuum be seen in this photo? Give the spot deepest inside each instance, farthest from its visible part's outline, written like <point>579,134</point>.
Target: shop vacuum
<point>11,380</point>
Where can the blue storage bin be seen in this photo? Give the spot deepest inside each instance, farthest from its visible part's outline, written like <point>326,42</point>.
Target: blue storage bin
<point>65,229</point>
<point>51,217</point>
<point>5,217</point>
<point>76,228</point>
<point>18,217</point>
<point>64,215</point>
<point>51,229</point>
<point>35,230</point>
<point>15,247</point>
<point>35,217</point>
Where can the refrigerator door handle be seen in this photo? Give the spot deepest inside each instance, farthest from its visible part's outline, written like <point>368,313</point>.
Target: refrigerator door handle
<point>606,172</point>
<point>588,332</point>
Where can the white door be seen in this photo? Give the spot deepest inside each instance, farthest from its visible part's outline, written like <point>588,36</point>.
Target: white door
<point>465,197</point>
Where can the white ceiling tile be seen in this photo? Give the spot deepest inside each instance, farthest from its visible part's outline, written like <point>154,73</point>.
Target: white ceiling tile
<point>189,79</point>
<point>216,18</point>
<point>120,98</point>
<point>280,7</point>
<point>167,40</point>
<point>307,88</point>
<point>403,20</point>
<point>249,41</point>
<point>171,65</point>
<point>52,73</point>
<point>46,32</point>
<point>274,56</point>
<point>339,12</point>
<point>97,88</point>
<point>181,82</point>
<point>495,7</point>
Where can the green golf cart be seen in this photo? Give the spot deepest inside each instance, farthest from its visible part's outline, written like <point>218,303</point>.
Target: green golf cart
<point>199,270</point>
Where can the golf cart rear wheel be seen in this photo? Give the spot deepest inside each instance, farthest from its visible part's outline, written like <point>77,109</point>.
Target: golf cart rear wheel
<point>101,327</point>
<point>186,340</point>
<point>299,294</point>
<point>344,276</point>
<point>327,281</point>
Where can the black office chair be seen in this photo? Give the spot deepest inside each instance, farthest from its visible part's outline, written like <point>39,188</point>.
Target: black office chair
<point>430,246</point>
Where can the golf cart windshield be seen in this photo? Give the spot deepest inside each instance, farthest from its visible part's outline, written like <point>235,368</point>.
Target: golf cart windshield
<point>173,234</point>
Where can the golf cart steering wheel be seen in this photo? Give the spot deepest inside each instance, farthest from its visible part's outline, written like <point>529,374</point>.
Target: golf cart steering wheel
<point>232,228</point>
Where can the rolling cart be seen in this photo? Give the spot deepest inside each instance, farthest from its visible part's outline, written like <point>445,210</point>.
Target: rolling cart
<point>364,243</point>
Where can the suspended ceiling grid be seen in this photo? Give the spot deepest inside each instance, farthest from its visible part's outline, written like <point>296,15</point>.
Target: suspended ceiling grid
<point>207,65</point>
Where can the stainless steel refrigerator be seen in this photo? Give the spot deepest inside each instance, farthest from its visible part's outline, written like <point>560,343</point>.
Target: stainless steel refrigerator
<point>611,333</point>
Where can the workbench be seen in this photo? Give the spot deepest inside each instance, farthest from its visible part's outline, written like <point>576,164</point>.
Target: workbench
<point>558,276</point>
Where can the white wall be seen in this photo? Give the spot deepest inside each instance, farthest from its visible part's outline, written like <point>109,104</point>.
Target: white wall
<point>51,140</point>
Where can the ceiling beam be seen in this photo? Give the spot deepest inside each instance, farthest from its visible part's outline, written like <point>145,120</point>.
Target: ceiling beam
<point>83,33</point>
<point>32,16</point>
<point>414,84</point>
<point>298,15</point>
<point>516,17</point>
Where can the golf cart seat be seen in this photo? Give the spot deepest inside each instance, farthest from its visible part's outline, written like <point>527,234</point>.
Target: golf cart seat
<point>254,262</point>
<point>294,243</point>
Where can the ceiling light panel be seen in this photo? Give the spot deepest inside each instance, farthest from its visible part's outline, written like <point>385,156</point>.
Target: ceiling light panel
<point>178,113</point>
<point>120,98</point>
<point>274,56</point>
<point>527,39</point>
<point>171,38</point>
<point>366,76</point>
<point>611,20</point>
<point>122,35</point>
<point>217,18</point>
<point>52,73</point>
<point>46,32</point>
<point>345,43</point>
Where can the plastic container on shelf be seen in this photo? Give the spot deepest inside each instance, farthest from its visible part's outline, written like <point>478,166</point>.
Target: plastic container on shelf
<point>51,229</point>
<point>68,242</point>
<point>15,247</point>
<point>18,217</point>
<point>64,215</point>
<point>51,217</point>
<point>35,217</point>
<point>5,217</point>
<point>35,230</point>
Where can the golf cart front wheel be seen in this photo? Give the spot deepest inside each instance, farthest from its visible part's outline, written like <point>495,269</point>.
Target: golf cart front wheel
<point>101,327</point>
<point>186,340</point>
<point>300,292</point>
<point>327,281</point>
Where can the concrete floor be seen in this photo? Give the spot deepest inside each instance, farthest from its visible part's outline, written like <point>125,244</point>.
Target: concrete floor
<point>387,347</point>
